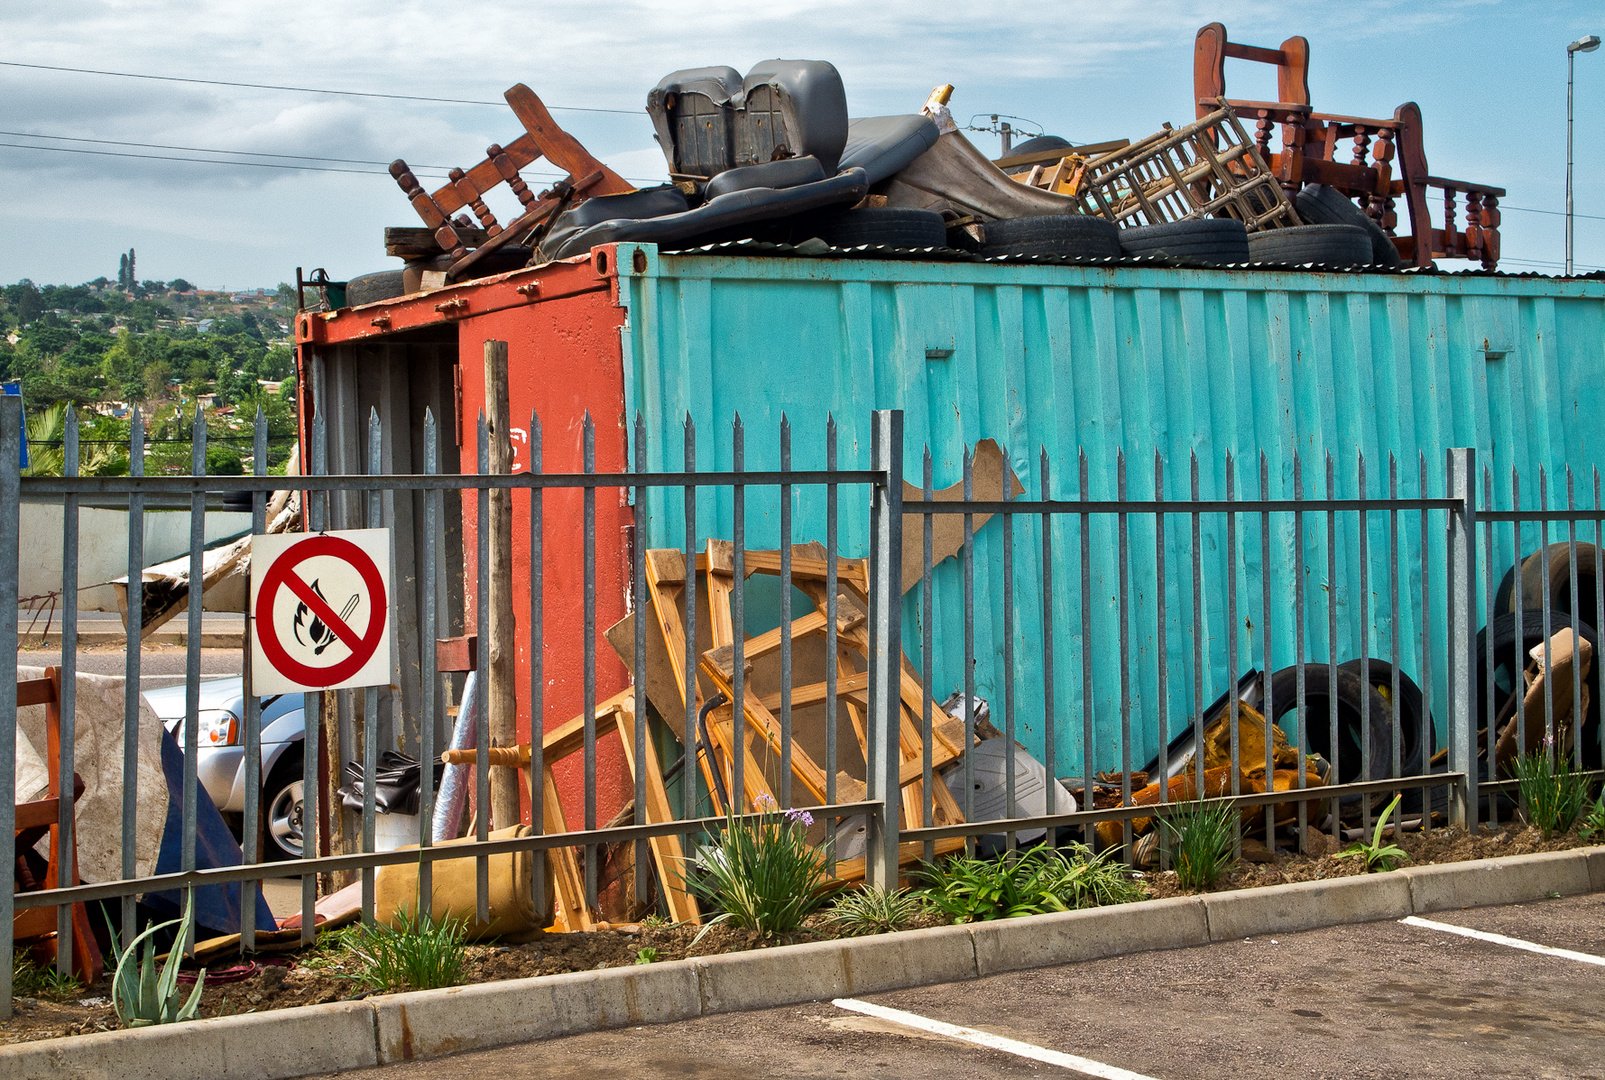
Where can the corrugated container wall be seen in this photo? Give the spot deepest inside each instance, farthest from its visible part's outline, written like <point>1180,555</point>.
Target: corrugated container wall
<point>1140,360</point>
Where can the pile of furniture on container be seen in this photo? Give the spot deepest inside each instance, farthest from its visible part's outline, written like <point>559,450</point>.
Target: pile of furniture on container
<point>771,160</point>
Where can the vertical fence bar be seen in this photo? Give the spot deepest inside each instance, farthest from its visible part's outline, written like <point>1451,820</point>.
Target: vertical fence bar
<point>1363,633</point>
<point>588,435</point>
<point>1548,610</point>
<point>1089,755</point>
<point>430,678</point>
<point>1265,639</point>
<point>131,662</point>
<point>969,646</point>
<point>1426,648</point>
<point>830,638</point>
<point>738,619</point>
<point>785,618</point>
<point>1332,639</point>
<point>1050,719</point>
<point>370,694</point>
<point>1300,701</point>
<point>1393,624</point>
<point>250,830</point>
<point>1198,631</point>
<point>1577,672</point>
<point>927,615</point>
<point>69,682</point>
<point>641,610</point>
<point>1462,631</point>
<point>312,704</point>
<point>1599,578</point>
<point>688,780</point>
<point>886,647</point>
<point>1490,708</point>
<point>1161,618</point>
<point>1233,711</point>
<point>11,436</point>
<point>1518,607</point>
<point>1009,808</point>
<point>1122,610</point>
<point>482,711</point>
<point>192,658</point>
<point>537,660</point>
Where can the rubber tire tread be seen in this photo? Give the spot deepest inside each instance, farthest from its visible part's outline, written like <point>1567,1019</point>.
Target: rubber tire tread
<point>1068,236</point>
<point>1357,703</point>
<point>371,288</point>
<point>1503,630</point>
<point>1412,761</point>
<point>1319,204</point>
<point>1213,240</point>
<point>1560,582</point>
<point>1324,245</point>
<point>887,226</point>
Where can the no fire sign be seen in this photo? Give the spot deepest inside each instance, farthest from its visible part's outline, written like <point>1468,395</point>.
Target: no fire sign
<point>320,607</point>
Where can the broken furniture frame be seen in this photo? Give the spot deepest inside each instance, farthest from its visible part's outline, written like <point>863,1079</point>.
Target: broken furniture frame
<point>542,137</point>
<point>1311,144</point>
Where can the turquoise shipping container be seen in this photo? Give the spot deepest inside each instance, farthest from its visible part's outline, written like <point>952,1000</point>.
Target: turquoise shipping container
<point>1139,361</point>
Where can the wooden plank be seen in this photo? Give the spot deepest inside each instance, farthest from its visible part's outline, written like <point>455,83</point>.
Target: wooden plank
<point>569,737</point>
<point>814,693</point>
<point>484,176</point>
<point>909,855</point>
<point>667,852</point>
<point>568,884</point>
<point>1043,157</point>
<point>761,721</point>
<point>561,148</point>
<point>420,243</point>
<point>501,702</point>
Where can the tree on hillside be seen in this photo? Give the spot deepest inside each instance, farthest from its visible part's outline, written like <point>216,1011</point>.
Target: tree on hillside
<point>180,285</point>
<point>122,271</point>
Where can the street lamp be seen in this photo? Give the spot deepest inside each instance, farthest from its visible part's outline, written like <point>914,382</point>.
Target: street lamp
<point>1582,44</point>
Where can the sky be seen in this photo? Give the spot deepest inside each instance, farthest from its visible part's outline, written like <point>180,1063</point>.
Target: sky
<point>1490,78</point>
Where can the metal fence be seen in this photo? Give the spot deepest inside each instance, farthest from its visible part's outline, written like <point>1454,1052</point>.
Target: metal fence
<point>1184,567</point>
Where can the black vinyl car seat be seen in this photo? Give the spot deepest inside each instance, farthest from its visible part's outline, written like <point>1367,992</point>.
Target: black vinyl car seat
<point>710,119</point>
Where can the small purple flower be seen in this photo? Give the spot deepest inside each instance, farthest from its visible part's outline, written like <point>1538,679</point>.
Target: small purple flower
<point>800,817</point>
<point>765,801</point>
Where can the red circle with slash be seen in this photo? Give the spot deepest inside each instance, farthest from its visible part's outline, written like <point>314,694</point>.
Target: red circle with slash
<point>281,575</point>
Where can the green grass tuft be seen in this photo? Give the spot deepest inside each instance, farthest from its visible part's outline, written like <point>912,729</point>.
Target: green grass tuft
<point>1203,836</point>
<point>29,979</point>
<point>874,911</point>
<point>419,954</point>
<point>1032,882</point>
<point>1377,855</point>
<point>761,873</point>
<point>1552,794</point>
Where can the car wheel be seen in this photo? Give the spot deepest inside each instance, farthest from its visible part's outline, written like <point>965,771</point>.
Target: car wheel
<point>281,811</point>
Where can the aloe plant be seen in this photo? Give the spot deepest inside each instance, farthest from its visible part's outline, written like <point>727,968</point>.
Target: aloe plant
<point>142,997</point>
<point>1376,854</point>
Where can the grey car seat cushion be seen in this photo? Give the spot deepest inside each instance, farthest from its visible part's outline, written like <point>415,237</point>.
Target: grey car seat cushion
<point>726,211</point>
<point>883,145</point>
<point>644,204</point>
<point>785,173</point>
<point>710,119</point>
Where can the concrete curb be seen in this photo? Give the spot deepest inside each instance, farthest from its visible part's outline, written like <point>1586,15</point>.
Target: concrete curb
<point>431,1023</point>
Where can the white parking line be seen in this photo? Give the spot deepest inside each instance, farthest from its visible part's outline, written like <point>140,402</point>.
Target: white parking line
<point>992,1042</point>
<point>1500,939</point>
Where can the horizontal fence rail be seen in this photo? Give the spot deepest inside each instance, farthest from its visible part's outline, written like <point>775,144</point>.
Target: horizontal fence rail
<point>1097,630</point>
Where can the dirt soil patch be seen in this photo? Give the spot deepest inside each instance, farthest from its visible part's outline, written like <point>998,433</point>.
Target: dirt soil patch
<point>326,972</point>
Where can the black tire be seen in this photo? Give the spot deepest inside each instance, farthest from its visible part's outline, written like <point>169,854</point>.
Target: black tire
<point>1413,757</point>
<point>1358,704</point>
<point>1510,656</point>
<point>883,226</point>
<point>281,782</point>
<point>1071,236</point>
<point>1199,240</point>
<point>371,288</point>
<point>1318,204</point>
<point>1558,556</point>
<point>1323,245</point>
<point>1035,146</point>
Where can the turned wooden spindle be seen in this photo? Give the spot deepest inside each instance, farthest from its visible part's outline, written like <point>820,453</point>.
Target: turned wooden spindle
<point>1362,143</point>
<point>509,172</point>
<point>470,195</point>
<point>1490,231</point>
<point>429,210</point>
<point>1448,220</point>
<point>1473,229</point>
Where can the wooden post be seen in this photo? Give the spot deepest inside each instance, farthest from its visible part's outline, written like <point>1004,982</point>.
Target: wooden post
<point>339,819</point>
<point>500,699</point>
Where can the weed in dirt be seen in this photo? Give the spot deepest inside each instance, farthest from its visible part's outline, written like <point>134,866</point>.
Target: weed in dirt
<point>1204,835</point>
<point>1552,794</point>
<point>332,949</point>
<point>646,954</point>
<point>1594,821</point>
<point>28,979</point>
<point>418,953</point>
<point>1026,883</point>
<point>141,997</point>
<point>1377,855</point>
<point>655,922</point>
<point>874,911</point>
<point>762,874</point>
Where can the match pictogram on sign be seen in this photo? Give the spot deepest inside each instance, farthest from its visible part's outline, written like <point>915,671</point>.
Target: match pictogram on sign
<point>320,610</point>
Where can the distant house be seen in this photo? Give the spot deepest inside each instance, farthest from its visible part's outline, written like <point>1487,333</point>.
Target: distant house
<point>204,326</point>
<point>270,386</point>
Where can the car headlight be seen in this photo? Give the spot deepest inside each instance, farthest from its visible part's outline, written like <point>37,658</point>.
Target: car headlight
<point>217,727</point>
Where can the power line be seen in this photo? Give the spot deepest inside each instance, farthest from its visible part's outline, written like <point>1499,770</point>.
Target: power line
<point>303,89</point>
<point>1551,213</point>
<point>208,150</point>
<point>200,161</point>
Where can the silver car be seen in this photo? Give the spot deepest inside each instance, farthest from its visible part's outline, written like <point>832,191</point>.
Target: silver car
<point>220,765</point>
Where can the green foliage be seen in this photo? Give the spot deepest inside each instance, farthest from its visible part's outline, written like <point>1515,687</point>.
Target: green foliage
<point>422,953</point>
<point>874,911</point>
<point>141,996</point>
<point>1552,793</point>
<point>761,873</point>
<point>47,452</point>
<point>1594,820</point>
<point>1378,856</point>
<point>29,979</point>
<point>646,954</point>
<point>1026,883</point>
<point>1203,836</point>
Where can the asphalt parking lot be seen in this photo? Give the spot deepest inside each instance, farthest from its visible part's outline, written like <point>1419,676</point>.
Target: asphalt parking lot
<point>1377,1000</point>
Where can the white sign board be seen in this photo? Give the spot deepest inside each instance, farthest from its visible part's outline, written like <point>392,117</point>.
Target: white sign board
<point>320,611</point>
